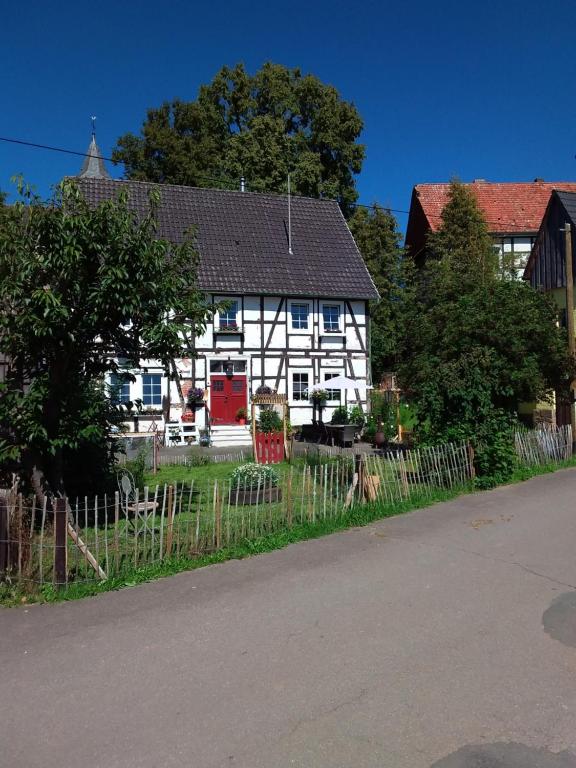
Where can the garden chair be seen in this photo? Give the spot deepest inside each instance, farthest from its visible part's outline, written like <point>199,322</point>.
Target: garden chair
<point>143,510</point>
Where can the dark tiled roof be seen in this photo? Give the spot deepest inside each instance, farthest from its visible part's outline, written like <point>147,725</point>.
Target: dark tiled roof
<point>568,200</point>
<point>242,239</point>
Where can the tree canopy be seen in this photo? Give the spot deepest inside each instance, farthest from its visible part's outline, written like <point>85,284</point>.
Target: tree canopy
<point>81,288</point>
<point>477,345</point>
<point>261,127</point>
<point>376,233</point>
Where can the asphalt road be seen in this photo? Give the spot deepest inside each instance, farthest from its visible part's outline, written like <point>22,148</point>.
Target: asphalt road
<point>443,638</point>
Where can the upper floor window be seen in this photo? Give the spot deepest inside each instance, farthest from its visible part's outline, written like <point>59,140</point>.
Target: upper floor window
<point>331,317</point>
<point>299,314</point>
<point>229,317</point>
<point>119,389</point>
<point>152,389</point>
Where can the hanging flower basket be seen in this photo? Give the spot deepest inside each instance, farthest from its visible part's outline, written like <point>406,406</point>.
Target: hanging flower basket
<point>196,398</point>
<point>319,397</point>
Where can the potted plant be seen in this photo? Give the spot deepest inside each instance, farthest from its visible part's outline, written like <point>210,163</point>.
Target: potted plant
<point>319,397</point>
<point>241,416</point>
<point>255,483</point>
<point>204,437</point>
<point>195,398</point>
<point>269,422</point>
<point>188,416</point>
<point>340,415</point>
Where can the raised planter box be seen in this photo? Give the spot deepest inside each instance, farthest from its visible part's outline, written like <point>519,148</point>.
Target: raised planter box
<point>250,496</point>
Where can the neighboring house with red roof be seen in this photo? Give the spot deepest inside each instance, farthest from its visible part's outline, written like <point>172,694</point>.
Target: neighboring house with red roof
<point>513,211</point>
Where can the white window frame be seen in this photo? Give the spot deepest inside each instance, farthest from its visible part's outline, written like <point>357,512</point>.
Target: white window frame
<point>341,328</point>
<point>310,318</point>
<point>162,389</point>
<point>300,372</point>
<point>239,318</point>
<point>326,382</point>
<point>115,384</point>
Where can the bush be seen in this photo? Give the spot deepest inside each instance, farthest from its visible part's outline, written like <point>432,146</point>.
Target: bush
<point>269,421</point>
<point>369,430</point>
<point>251,475</point>
<point>357,416</point>
<point>340,415</point>
<point>196,459</point>
<point>137,467</point>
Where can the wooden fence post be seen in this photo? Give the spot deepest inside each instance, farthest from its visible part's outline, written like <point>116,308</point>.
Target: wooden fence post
<point>170,526</point>
<point>359,470</point>
<point>471,461</point>
<point>60,548</point>
<point>4,544</point>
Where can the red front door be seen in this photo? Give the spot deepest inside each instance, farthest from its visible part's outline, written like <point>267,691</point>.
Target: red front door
<point>227,394</point>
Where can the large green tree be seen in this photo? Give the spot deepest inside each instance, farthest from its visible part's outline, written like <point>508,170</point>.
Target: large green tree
<point>477,345</point>
<point>260,126</point>
<point>376,233</point>
<point>82,287</point>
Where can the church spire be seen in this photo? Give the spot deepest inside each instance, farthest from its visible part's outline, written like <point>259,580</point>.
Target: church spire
<point>93,166</point>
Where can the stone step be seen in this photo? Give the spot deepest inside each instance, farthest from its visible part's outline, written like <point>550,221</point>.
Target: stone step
<point>230,435</point>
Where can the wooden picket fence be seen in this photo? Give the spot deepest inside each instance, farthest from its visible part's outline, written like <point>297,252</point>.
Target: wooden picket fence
<point>60,542</point>
<point>547,444</point>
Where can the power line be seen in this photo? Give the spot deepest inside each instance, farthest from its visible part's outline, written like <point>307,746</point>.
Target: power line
<point>220,179</point>
<point>97,157</point>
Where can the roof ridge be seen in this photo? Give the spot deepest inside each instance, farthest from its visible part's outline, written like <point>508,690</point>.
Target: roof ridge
<point>272,195</point>
<point>494,183</point>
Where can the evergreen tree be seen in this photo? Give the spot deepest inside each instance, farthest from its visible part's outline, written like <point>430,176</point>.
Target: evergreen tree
<point>376,233</point>
<point>475,346</point>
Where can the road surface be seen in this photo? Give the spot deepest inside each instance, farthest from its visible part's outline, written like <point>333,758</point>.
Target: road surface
<point>442,638</point>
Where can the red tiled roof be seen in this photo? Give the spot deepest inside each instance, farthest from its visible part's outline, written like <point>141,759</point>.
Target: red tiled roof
<point>508,207</point>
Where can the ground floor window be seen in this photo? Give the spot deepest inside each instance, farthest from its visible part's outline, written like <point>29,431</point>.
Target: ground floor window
<point>119,389</point>
<point>152,389</point>
<point>299,386</point>
<point>333,394</point>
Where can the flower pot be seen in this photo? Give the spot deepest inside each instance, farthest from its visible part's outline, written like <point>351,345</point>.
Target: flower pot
<point>188,416</point>
<point>379,439</point>
<point>242,422</point>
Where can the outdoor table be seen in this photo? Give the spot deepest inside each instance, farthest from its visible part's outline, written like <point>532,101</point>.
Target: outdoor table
<point>341,433</point>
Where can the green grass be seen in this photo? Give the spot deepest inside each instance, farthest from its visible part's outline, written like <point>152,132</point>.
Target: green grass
<point>357,516</point>
<point>206,474</point>
<point>180,474</point>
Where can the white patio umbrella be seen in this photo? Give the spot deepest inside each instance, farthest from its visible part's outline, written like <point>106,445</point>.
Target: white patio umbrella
<point>341,383</point>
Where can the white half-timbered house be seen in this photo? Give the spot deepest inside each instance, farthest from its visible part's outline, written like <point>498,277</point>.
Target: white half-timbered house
<point>297,292</point>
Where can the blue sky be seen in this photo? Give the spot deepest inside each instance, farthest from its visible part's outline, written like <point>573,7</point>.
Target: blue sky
<point>481,90</point>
